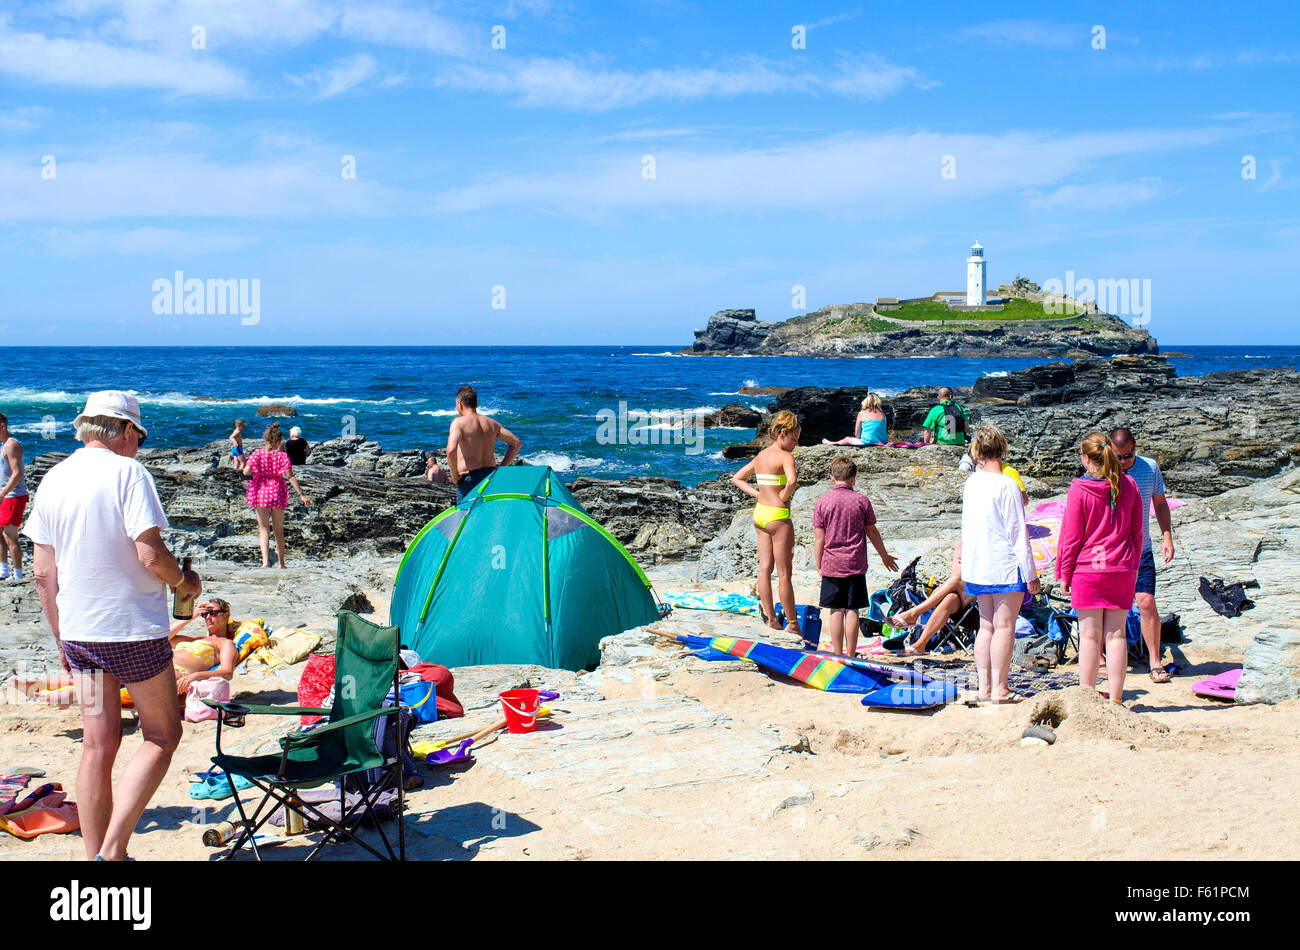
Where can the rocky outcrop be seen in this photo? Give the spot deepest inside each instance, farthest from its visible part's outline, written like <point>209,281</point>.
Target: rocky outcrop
<point>1209,433</point>
<point>731,331</point>
<point>659,518</point>
<point>856,330</point>
<point>367,500</point>
<point>732,416</point>
<point>272,409</point>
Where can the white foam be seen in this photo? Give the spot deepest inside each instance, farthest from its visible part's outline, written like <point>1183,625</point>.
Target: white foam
<point>451,412</point>
<point>560,462</point>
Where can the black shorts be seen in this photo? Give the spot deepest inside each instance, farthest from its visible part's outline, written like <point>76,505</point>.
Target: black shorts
<point>845,593</point>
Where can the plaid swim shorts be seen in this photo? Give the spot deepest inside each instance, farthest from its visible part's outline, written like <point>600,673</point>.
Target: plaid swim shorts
<point>131,662</point>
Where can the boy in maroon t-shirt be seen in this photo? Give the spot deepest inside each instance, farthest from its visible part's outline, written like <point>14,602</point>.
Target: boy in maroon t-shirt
<point>843,520</point>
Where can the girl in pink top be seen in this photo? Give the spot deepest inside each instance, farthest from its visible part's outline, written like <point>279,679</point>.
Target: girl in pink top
<point>1097,559</point>
<point>267,469</point>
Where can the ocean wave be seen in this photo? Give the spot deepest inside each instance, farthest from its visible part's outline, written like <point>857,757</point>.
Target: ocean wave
<point>485,411</point>
<point>186,400</point>
<point>665,353</point>
<point>47,429</point>
<point>561,462</point>
<point>996,374</point>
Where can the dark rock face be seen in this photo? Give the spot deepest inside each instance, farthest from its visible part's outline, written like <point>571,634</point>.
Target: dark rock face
<point>763,390</point>
<point>276,409</point>
<point>733,416</point>
<point>731,331</point>
<point>366,500</point>
<point>1209,434</point>
<point>676,513</point>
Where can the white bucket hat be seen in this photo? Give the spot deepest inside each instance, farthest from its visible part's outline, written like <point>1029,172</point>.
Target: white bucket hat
<point>115,404</point>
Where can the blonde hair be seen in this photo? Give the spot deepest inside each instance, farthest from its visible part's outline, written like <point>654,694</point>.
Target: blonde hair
<point>1097,448</point>
<point>871,402</point>
<point>783,422</point>
<point>272,436</point>
<point>988,443</point>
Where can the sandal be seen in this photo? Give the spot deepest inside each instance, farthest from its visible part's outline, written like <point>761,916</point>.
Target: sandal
<point>1159,674</point>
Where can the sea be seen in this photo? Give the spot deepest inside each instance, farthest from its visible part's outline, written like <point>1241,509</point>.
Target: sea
<point>601,411</point>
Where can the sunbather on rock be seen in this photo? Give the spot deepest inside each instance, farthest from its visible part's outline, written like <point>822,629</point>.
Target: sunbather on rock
<point>945,602</point>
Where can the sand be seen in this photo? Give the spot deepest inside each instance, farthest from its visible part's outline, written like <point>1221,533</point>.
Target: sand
<point>673,757</point>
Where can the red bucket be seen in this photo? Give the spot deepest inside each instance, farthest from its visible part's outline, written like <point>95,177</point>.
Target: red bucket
<point>520,706</point>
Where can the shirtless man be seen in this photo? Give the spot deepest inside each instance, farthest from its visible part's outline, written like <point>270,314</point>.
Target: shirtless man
<point>472,443</point>
<point>237,444</point>
<point>13,500</point>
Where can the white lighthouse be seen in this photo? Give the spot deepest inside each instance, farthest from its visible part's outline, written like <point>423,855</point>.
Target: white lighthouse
<point>975,276</point>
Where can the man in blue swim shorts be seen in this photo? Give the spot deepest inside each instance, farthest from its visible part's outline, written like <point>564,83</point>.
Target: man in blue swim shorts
<point>1151,484</point>
<point>472,443</point>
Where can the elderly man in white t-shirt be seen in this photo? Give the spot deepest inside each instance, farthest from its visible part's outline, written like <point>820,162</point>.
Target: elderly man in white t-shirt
<point>102,572</point>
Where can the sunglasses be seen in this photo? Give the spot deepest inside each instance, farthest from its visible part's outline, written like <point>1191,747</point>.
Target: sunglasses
<point>1126,456</point>
<point>211,613</point>
<point>140,436</point>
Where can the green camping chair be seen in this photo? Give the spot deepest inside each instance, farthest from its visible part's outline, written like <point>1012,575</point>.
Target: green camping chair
<point>365,670</point>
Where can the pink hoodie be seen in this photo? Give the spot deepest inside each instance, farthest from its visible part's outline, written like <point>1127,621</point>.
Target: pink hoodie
<point>1094,538</point>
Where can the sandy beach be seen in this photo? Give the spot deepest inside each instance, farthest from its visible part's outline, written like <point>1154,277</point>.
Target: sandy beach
<point>657,754</point>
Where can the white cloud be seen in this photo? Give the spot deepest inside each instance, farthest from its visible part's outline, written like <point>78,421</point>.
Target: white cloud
<point>1095,196</point>
<point>92,64</point>
<point>162,184</point>
<point>22,118</point>
<point>855,176</point>
<point>60,242</point>
<point>339,77</point>
<point>405,26</point>
<point>1039,33</point>
<point>570,84</point>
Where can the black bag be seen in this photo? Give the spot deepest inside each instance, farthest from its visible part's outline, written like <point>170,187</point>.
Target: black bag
<point>1228,600</point>
<point>954,421</point>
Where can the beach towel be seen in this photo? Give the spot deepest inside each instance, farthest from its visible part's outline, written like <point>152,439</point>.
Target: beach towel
<point>714,600</point>
<point>900,445</point>
<point>1044,538</point>
<point>315,684</point>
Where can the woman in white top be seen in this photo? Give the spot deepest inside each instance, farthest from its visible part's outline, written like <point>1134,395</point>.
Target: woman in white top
<point>997,563</point>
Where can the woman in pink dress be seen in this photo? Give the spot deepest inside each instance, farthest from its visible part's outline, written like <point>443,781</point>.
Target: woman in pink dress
<point>1097,559</point>
<point>267,469</point>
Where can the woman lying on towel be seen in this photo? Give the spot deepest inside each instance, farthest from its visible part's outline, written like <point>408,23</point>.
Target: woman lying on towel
<point>193,658</point>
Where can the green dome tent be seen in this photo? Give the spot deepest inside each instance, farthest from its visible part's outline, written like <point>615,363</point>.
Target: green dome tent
<point>517,573</point>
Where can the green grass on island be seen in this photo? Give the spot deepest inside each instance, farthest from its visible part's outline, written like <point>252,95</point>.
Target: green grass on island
<point>1014,310</point>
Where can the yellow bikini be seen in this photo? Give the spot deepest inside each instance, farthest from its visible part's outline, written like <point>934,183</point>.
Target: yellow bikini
<point>766,514</point>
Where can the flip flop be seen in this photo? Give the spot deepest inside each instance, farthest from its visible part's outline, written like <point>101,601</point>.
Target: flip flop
<point>215,786</point>
<point>1159,674</point>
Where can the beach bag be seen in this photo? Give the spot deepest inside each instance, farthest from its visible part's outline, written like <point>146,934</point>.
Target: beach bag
<point>448,706</point>
<point>215,689</point>
<point>421,698</point>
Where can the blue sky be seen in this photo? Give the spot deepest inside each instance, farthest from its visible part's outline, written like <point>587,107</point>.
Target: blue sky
<point>126,154</point>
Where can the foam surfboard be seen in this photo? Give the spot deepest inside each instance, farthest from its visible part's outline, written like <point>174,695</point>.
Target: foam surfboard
<point>1222,686</point>
<point>901,696</point>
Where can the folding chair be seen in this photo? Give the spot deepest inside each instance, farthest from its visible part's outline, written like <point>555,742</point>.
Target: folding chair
<point>365,670</point>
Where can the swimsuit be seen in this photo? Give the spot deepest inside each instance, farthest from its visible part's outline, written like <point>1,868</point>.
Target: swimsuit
<point>766,514</point>
<point>202,649</point>
<point>470,480</point>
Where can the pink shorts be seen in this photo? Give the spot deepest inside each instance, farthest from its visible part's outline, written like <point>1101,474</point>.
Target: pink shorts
<point>1113,590</point>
